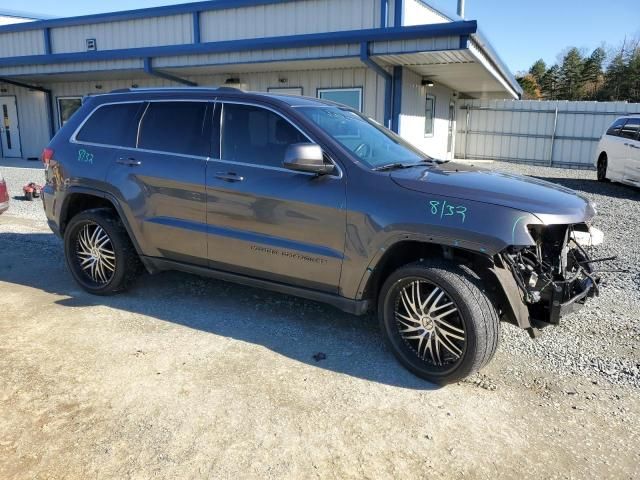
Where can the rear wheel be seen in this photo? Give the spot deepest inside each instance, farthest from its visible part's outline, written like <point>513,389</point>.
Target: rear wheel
<point>28,196</point>
<point>602,168</point>
<point>99,253</point>
<point>437,321</point>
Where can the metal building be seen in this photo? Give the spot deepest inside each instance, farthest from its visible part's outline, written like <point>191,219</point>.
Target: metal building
<point>401,62</point>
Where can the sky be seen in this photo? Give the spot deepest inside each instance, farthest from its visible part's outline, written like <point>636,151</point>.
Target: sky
<point>521,31</point>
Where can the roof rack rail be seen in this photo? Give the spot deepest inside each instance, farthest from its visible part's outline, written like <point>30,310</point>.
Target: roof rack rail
<point>162,89</point>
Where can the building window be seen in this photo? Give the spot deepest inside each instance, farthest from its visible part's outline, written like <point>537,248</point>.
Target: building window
<point>351,97</point>
<point>286,90</point>
<point>429,115</point>
<point>67,106</point>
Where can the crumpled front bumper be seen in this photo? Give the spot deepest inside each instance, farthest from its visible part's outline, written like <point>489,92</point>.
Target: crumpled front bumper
<point>558,308</point>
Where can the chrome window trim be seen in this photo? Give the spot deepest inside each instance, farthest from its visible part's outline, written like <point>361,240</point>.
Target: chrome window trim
<point>215,101</point>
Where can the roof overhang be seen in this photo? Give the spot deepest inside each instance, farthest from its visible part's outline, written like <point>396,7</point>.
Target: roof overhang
<point>448,50</point>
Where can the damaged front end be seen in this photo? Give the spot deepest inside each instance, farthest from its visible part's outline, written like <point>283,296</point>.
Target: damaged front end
<point>554,275</point>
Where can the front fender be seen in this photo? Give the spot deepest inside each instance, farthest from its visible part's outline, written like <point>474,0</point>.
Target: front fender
<point>485,229</point>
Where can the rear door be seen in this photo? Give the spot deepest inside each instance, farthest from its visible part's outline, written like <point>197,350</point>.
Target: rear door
<point>629,135</point>
<point>615,150</point>
<point>267,221</point>
<point>162,181</point>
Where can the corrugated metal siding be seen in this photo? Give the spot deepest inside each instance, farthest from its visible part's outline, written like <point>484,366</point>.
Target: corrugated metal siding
<point>29,42</point>
<point>523,131</point>
<point>32,108</point>
<point>412,119</point>
<point>330,51</point>
<point>108,65</point>
<point>417,13</point>
<point>146,32</point>
<point>311,16</point>
<point>417,45</point>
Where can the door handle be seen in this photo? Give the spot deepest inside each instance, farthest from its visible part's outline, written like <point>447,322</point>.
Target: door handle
<point>131,162</point>
<point>229,177</point>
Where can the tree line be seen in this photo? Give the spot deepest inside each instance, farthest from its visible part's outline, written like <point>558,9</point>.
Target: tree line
<point>612,75</point>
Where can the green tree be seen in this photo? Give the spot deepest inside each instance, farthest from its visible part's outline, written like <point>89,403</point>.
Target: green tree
<point>537,70</point>
<point>550,83</point>
<point>571,80</point>
<point>529,86</point>
<point>592,74</point>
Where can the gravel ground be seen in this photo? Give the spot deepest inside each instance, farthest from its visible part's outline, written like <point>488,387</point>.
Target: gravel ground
<point>185,377</point>
<point>18,173</point>
<point>601,341</point>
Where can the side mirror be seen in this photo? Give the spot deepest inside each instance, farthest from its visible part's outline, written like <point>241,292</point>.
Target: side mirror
<point>306,157</point>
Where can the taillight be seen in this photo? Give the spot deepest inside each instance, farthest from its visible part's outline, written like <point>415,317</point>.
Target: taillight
<point>47,155</point>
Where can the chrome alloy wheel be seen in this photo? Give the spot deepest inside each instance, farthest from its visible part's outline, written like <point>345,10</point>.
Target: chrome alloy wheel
<point>429,322</point>
<point>95,254</point>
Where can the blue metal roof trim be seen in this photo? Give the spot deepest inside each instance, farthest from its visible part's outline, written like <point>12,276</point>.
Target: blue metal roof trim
<point>293,41</point>
<point>163,11</point>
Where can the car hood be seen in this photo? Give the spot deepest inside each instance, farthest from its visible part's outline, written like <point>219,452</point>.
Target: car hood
<point>551,203</point>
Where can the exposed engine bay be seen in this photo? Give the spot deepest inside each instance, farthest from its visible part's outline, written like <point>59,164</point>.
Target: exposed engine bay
<point>555,275</point>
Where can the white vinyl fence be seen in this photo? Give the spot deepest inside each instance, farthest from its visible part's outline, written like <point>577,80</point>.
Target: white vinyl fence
<point>558,133</point>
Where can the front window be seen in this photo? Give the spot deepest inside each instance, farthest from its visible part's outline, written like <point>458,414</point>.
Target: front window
<point>351,97</point>
<point>369,142</point>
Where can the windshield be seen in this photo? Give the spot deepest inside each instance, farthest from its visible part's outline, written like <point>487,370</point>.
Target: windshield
<point>368,141</point>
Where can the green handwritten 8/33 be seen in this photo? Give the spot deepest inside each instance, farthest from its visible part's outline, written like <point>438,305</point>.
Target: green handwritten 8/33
<point>442,208</point>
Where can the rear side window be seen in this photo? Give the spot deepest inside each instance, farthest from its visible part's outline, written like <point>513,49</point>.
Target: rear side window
<point>256,135</point>
<point>615,128</point>
<point>177,127</point>
<point>112,125</point>
<point>630,129</point>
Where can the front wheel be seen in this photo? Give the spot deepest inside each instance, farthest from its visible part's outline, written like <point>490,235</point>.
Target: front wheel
<point>99,253</point>
<point>437,321</point>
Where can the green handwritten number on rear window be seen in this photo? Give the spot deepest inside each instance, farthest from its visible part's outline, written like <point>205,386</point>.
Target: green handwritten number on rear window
<point>445,209</point>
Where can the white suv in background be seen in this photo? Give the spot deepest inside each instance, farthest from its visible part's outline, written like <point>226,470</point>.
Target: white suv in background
<point>618,153</point>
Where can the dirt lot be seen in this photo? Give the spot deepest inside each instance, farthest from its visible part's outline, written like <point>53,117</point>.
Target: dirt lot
<point>185,377</point>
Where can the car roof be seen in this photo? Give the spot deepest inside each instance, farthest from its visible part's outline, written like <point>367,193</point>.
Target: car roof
<point>208,92</point>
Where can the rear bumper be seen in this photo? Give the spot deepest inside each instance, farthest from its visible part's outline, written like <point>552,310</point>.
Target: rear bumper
<point>48,203</point>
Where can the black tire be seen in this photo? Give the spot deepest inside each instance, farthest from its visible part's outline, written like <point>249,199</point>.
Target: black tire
<point>475,315</point>
<point>28,196</point>
<point>126,265</point>
<point>602,168</point>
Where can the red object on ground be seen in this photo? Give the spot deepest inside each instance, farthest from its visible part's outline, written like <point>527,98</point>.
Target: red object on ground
<point>4,195</point>
<point>31,190</point>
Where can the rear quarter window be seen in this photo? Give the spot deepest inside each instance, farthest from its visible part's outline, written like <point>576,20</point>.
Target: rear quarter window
<point>115,125</point>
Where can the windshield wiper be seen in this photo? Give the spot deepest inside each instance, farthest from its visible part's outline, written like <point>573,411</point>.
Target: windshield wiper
<point>392,166</point>
<point>399,165</point>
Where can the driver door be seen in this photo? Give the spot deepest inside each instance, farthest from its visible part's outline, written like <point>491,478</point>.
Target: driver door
<point>267,221</point>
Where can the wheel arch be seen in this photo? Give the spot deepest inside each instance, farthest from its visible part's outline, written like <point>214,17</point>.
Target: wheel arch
<point>499,282</point>
<point>79,199</point>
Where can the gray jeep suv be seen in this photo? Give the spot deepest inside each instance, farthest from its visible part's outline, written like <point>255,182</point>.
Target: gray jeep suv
<point>311,198</point>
